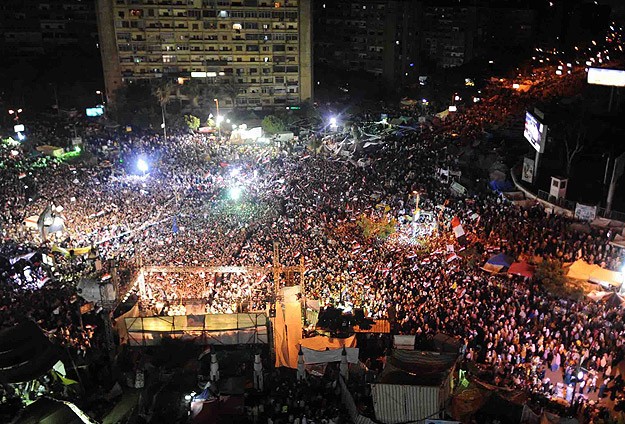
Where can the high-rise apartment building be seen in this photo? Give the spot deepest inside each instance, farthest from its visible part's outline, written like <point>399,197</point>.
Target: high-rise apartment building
<point>35,27</point>
<point>260,47</point>
<point>374,36</point>
<point>448,35</point>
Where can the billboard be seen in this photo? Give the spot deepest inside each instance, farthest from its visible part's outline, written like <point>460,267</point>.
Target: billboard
<point>95,111</point>
<point>604,76</point>
<point>535,132</point>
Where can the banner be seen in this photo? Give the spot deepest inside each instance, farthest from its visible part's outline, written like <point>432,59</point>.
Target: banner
<point>585,212</point>
<point>334,355</point>
<point>527,174</point>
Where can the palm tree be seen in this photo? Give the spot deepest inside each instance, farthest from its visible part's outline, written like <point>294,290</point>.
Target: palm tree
<point>163,95</point>
<point>231,88</point>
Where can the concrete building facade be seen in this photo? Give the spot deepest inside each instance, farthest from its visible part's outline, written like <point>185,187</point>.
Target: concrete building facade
<point>36,27</point>
<point>378,37</point>
<point>260,49</point>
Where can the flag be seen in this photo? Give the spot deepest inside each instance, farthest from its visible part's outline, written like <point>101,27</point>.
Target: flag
<point>458,230</point>
<point>451,256</point>
<point>174,225</point>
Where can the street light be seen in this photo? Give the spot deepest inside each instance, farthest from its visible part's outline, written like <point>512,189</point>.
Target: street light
<point>142,166</point>
<point>235,193</point>
<point>333,123</point>
<point>16,113</point>
<point>101,95</point>
<point>219,117</point>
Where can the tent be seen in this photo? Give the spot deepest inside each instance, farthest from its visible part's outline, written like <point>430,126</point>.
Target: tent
<point>597,295</point>
<point>582,270</point>
<point>521,268</point>
<point>501,259</point>
<point>604,276</point>
<point>497,262</point>
<point>613,300</point>
<point>413,385</point>
<point>25,353</point>
<point>51,411</point>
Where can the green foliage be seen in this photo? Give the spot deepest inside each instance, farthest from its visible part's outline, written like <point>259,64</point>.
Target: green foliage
<point>381,228</point>
<point>272,124</point>
<point>551,274</point>
<point>193,122</point>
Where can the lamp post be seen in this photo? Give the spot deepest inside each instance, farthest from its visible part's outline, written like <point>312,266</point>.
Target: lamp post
<point>15,112</point>
<point>101,93</point>
<point>218,117</point>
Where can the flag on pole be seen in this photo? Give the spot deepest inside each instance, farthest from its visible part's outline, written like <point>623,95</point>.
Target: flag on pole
<point>458,230</point>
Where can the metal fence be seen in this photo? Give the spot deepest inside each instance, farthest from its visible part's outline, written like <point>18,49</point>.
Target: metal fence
<point>558,201</point>
<point>615,215</point>
<point>569,204</point>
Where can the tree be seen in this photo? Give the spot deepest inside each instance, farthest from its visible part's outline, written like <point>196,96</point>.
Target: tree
<point>193,122</point>
<point>380,228</point>
<point>162,92</point>
<point>231,89</point>
<point>550,273</point>
<point>272,124</point>
<point>573,135</point>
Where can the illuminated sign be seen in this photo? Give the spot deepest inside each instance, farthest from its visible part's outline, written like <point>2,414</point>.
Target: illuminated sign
<point>535,132</point>
<point>609,77</point>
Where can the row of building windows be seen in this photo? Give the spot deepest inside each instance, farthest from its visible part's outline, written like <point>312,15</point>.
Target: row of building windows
<point>195,13</point>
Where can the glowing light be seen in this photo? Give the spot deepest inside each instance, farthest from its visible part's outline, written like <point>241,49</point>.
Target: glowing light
<point>453,108</point>
<point>235,193</point>
<point>333,121</point>
<point>142,166</point>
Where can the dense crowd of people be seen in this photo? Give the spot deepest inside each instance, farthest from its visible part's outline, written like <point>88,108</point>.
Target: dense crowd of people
<point>206,203</point>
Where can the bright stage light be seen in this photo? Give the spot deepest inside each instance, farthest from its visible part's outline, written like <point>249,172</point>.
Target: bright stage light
<point>235,193</point>
<point>142,166</point>
<point>333,121</point>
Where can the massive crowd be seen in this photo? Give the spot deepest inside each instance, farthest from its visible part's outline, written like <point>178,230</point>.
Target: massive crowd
<point>181,212</point>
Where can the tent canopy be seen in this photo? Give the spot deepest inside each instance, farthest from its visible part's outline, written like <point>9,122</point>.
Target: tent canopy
<point>418,368</point>
<point>500,259</point>
<point>582,270</point>
<point>521,268</point>
<point>25,353</point>
<point>605,276</point>
<point>50,411</point>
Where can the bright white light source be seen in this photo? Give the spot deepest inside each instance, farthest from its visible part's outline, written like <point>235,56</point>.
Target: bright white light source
<point>453,108</point>
<point>235,192</point>
<point>142,165</point>
<point>333,121</point>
